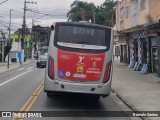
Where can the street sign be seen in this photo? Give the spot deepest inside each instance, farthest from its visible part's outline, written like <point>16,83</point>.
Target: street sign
<point>3,36</point>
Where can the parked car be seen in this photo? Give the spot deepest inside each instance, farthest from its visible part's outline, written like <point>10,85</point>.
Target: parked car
<point>41,62</point>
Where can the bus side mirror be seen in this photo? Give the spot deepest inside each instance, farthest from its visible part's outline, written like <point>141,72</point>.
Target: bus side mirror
<point>52,27</point>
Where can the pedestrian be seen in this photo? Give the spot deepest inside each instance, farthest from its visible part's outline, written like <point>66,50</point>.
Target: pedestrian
<point>30,56</point>
<point>37,55</point>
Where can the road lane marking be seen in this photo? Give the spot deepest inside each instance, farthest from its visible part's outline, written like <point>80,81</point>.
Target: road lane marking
<point>20,69</point>
<point>30,98</point>
<point>14,78</point>
<point>35,97</point>
<point>28,105</point>
<point>29,68</point>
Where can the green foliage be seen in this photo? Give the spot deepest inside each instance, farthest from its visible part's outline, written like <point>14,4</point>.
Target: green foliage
<point>81,11</point>
<point>41,33</point>
<point>85,11</point>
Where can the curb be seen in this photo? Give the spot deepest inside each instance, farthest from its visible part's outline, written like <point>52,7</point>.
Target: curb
<point>125,102</point>
<point>16,67</point>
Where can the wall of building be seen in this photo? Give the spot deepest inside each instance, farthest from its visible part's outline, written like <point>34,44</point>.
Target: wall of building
<point>123,20</point>
<point>154,9</point>
<point>143,16</point>
<point>117,18</point>
<point>131,13</point>
<point>127,17</point>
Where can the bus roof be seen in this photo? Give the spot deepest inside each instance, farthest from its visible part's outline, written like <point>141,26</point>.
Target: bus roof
<point>84,24</point>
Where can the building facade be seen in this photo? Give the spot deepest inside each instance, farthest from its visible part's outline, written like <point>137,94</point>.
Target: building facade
<point>138,27</point>
<point>116,49</point>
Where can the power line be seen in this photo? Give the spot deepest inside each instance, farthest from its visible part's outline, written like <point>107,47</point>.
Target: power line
<point>12,22</point>
<point>3,24</point>
<point>36,19</point>
<point>19,7</point>
<point>39,12</point>
<point>18,22</point>
<point>3,2</point>
<point>46,13</point>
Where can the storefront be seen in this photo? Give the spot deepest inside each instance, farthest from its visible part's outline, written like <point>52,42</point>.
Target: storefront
<point>123,48</point>
<point>154,54</point>
<point>143,50</point>
<point>138,49</point>
<point>154,49</point>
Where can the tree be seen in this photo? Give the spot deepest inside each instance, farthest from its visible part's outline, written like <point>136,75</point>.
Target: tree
<point>81,11</point>
<point>103,14</point>
<point>19,31</point>
<point>108,6</point>
<point>100,15</point>
<point>41,34</point>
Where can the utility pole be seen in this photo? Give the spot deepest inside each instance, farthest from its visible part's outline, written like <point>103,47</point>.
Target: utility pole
<point>24,27</point>
<point>23,30</point>
<point>32,38</point>
<point>9,36</point>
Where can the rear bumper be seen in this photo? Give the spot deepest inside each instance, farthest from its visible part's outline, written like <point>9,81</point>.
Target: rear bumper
<point>75,87</point>
<point>41,63</point>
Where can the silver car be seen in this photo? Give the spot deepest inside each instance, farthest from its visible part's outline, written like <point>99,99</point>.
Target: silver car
<point>41,62</point>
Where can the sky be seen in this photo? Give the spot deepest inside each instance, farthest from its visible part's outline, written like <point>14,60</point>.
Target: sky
<point>49,12</point>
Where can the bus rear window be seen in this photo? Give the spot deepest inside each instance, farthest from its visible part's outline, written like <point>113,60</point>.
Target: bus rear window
<point>82,37</point>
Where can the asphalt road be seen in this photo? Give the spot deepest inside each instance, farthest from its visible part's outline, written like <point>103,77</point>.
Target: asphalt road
<point>22,90</point>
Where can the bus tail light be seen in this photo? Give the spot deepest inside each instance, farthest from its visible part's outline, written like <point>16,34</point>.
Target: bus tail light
<point>107,72</point>
<point>51,68</point>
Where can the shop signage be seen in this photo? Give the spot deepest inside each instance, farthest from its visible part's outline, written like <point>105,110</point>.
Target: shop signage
<point>3,36</point>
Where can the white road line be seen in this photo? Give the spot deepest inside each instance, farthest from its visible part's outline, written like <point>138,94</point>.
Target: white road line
<point>15,78</point>
<point>20,69</point>
<point>29,68</point>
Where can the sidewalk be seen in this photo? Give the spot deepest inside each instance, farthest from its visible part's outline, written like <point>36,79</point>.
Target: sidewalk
<point>12,66</point>
<point>140,92</point>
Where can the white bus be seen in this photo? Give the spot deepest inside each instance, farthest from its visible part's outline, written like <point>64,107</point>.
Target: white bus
<point>79,59</point>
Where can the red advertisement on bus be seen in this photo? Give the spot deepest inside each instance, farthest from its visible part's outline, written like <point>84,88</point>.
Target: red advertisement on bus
<point>80,66</point>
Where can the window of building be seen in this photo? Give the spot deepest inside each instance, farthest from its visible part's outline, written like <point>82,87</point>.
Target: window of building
<point>117,15</point>
<point>142,4</point>
<point>122,12</point>
<point>134,7</point>
<point>134,20</point>
<point>134,12</point>
<point>127,12</point>
<point>122,25</point>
